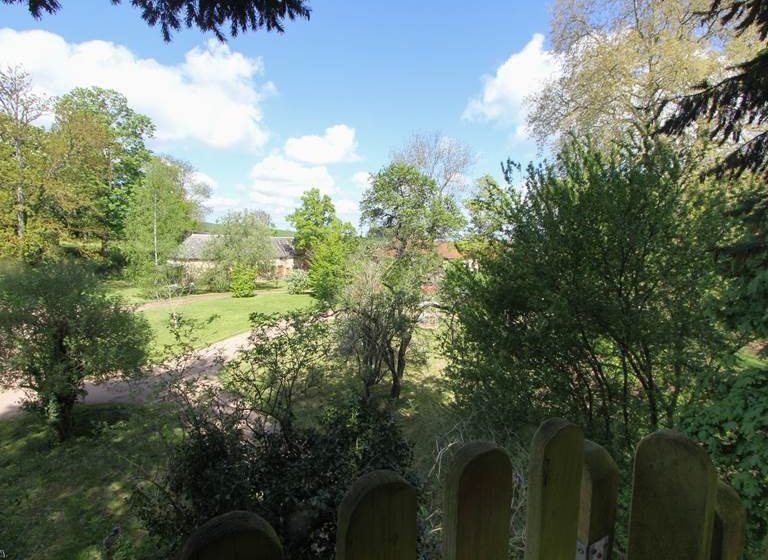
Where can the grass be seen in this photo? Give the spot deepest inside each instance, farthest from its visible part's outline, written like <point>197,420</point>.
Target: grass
<point>61,501</point>
<point>127,291</point>
<point>231,316</point>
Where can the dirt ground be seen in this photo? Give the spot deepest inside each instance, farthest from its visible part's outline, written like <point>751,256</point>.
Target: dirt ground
<point>206,363</point>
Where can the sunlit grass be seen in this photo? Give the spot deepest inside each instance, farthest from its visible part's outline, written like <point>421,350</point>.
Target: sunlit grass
<point>231,316</point>
<point>60,501</point>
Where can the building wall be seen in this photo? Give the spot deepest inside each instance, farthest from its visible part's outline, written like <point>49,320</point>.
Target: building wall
<point>283,266</point>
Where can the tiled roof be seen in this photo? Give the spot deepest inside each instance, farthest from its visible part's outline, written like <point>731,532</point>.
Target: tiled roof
<point>192,248</point>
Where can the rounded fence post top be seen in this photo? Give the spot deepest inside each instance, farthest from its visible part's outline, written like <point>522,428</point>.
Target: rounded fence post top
<point>363,485</point>
<point>598,461</point>
<point>472,450</point>
<point>228,525</point>
<point>549,429</point>
<point>678,440</point>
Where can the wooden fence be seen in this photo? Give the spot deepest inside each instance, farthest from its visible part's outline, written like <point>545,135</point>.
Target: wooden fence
<point>679,510</point>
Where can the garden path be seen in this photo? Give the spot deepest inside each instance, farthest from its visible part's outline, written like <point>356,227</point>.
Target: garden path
<point>205,363</point>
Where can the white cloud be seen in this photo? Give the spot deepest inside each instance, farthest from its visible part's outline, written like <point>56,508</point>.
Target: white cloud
<point>361,179</point>
<point>277,184</point>
<point>504,94</point>
<point>220,204</point>
<point>210,97</point>
<point>336,145</point>
<point>200,177</point>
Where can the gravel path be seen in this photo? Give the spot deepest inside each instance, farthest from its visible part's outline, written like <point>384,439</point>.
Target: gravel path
<point>206,364</point>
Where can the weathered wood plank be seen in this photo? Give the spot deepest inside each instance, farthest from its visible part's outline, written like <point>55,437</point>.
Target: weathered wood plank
<point>377,519</point>
<point>728,534</point>
<point>237,535</point>
<point>599,492</point>
<point>476,503</point>
<point>673,499</point>
<point>554,489</point>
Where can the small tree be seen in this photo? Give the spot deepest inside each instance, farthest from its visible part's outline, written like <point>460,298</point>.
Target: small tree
<point>57,329</point>
<point>244,242</point>
<point>287,358</point>
<point>381,307</point>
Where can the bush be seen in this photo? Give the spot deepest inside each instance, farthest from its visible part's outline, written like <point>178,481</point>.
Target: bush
<point>728,418</point>
<point>242,281</point>
<point>57,328</point>
<point>295,480</point>
<point>298,282</point>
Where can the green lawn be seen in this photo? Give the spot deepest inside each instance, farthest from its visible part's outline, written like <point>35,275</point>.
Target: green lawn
<point>231,316</point>
<point>60,501</point>
<point>126,291</point>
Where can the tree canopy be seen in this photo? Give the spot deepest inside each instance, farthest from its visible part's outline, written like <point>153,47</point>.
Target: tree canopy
<point>620,59</point>
<point>206,15</point>
<point>736,106</point>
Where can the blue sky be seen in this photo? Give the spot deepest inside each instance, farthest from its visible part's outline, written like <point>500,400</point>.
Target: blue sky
<point>265,116</point>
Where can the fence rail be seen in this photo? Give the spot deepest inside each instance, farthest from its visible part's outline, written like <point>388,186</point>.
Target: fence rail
<point>679,509</point>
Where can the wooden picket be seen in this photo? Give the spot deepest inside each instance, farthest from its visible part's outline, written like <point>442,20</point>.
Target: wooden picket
<point>678,511</point>
<point>377,519</point>
<point>599,492</point>
<point>554,488</point>
<point>673,499</point>
<point>237,535</point>
<point>478,491</point>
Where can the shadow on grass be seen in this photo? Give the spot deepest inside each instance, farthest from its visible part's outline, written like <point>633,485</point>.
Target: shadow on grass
<point>61,500</point>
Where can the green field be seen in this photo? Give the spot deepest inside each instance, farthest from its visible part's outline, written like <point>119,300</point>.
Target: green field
<point>60,501</point>
<point>231,316</point>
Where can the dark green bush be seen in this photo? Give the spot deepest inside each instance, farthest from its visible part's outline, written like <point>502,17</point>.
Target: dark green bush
<point>295,480</point>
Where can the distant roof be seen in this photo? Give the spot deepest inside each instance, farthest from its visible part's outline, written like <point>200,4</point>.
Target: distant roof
<point>192,248</point>
<point>447,250</point>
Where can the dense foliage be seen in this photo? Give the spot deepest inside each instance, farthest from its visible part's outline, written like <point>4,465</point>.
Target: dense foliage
<point>589,295</point>
<point>728,416</point>
<point>57,328</point>
<point>297,282</point>
<point>242,280</point>
<point>206,15</point>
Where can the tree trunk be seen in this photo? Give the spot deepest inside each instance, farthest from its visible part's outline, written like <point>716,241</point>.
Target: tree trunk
<point>154,227</point>
<point>21,211</point>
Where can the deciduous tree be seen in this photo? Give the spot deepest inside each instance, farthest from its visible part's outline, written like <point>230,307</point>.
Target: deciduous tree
<point>59,328</point>
<point>620,59</point>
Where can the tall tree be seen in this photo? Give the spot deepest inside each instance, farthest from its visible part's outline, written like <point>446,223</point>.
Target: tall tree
<point>20,107</point>
<point>735,109</point>
<point>158,216</point>
<point>127,154</point>
<point>619,59</point>
<point>442,159</point>
<point>409,208</point>
<point>206,15</point>
<point>737,105</point>
<point>313,221</point>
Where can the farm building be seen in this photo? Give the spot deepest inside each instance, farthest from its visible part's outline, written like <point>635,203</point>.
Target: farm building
<point>191,253</point>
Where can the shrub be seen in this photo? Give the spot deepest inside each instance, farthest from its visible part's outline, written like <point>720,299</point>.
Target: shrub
<point>298,282</point>
<point>728,417</point>
<point>57,328</point>
<point>295,480</point>
<point>242,281</point>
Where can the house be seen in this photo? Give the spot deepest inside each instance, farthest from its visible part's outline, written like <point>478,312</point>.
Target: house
<point>191,254</point>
